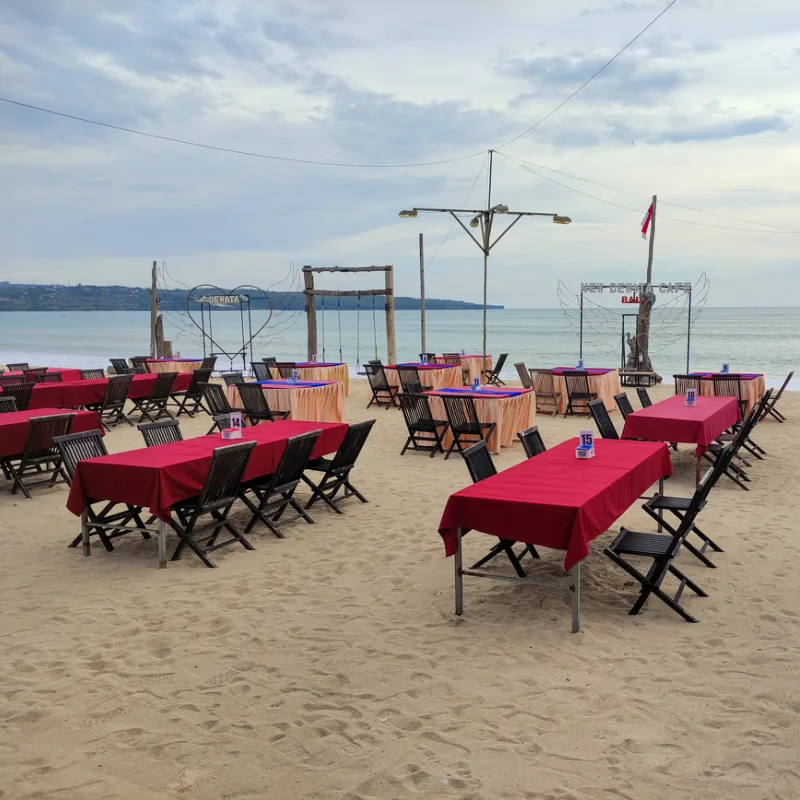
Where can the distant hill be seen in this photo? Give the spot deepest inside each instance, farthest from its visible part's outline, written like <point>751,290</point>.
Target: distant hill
<point>49,297</point>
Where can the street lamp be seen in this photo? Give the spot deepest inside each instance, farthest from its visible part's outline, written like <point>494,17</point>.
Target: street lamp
<point>484,219</point>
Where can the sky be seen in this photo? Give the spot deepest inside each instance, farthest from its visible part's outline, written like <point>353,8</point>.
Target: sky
<point>702,110</point>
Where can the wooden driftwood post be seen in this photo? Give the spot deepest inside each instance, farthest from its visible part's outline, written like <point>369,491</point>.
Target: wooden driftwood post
<point>311,295</point>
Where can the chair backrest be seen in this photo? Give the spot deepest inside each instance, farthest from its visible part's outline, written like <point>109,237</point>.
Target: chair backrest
<point>603,421</point>
<point>376,361</point>
<point>140,362</point>
<point>728,386</point>
<point>120,366</point>
<point>532,441</point>
<point>232,378</point>
<point>461,414</point>
<point>215,398</point>
<point>577,383</point>
<point>294,459</point>
<point>623,404</point>
<point>117,390</point>
<point>75,447</point>
<point>783,386</point>
<point>162,432</point>
<point>479,461</point>
<point>162,386</point>
<point>752,419</point>
<point>8,405</point>
<point>93,374</point>
<point>413,388</point>
<point>50,377</point>
<point>33,375</point>
<point>260,371</point>
<point>253,399</point>
<point>209,362</point>
<point>351,446</point>
<point>686,382</point>
<point>202,375</point>
<point>524,375</point>
<point>285,368</point>
<point>408,375</point>
<point>225,475</point>
<point>21,392</point>
<point>416,410</point>
<point>376,377</point>
<point>270,362</point>
<point>500,363</point>
<point>11,380</point>
<point>41,431</point>
<point>453,359</point>
<point>20,367</point>
<point>644,398</point>
<point>222,421</point>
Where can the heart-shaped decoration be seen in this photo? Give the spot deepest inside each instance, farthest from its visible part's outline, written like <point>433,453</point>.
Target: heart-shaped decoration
<point>199,294</point>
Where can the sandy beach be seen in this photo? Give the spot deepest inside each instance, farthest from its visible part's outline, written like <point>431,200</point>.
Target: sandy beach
<point>330,664</point>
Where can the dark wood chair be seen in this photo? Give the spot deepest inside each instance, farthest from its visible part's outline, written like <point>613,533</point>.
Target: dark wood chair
<point>644,397</point>
<point>602,419</point>
<point>685,382</point>
<point>165,432</point>
<point>93,374</point>
<point>336,471</point>
<point>19,367</point>
<point>532,441</point>
<point>111,411</point>
<point>140,363</point>
<point>769,409</point>
<point>260,371</point>
<point>578,393</point>
<point>75,447</point>
<point>272,367</point>
<point>190,400</point>
<point>623,404</point>
<point>286,368</point>
<point>232,378</point>
<point>413,388</point>
<point>8,405</point>
<point>493,375</point>
<point>274,494</point>
<point>730,386</point>
<point>256,407</point>
<point>20,393</point>
<point>409,375</point>
<point>120,366</point>
<point>464,424</point>
<point>216,401</point>
<point>50,377</point>
<point>34,374</point>
<point>480,466</point>
<point>524,375</point>
<point>221,489</point>
<point>41,455</point>
<point>155,406</point>
<point>11,380</point>
<point>424,432</point>
<point>382,393</point>
<point>209,362</point>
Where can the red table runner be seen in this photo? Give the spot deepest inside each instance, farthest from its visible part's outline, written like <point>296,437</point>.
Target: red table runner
<point>156,477</point>
<point>67,374</point>
<point>14,427</point>
<point>71,394</point>
<point>555,500</point>
<point>672,420</point>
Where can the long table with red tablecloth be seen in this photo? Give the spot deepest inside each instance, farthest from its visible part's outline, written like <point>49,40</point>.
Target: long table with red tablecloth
<point>14,427</point>
<point>67,373</point>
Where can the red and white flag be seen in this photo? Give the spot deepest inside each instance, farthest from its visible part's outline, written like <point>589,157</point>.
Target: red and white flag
<point>646,221</point>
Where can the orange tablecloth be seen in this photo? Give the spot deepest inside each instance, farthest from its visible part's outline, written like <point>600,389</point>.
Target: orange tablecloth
<point>435,378</point>
<point>751,390</point>
<point>314,403</point>
<point>174,365</point>
<point>475,365</point>
<point>606,386</point>
<point>510,415</point>
<point>339,372</point>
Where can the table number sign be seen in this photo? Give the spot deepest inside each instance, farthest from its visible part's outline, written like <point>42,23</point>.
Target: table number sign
<point>691,397</point>
<point>294,376</point>
<point>424,359</point>
<point>580,364</point>
<point>726,368</point>
<point>314,359</point>
<point>234,429</point>
<point>463,352</point>
<point>586,447</point>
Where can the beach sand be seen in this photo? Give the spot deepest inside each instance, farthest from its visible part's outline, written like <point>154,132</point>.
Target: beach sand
<point>330,664</point>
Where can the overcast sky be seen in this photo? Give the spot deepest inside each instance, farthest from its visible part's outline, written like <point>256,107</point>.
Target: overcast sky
<point>702,111</point>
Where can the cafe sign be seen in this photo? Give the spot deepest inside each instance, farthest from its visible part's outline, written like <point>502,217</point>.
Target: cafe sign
<point>633,292</point>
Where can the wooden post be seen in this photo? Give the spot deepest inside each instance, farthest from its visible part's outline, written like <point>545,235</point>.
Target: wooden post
<point>391,347</point>
<point>422,294</point>
<point>643,363</point>
<point>311,312</point>
<point>160,352</point>
<point>153,310</point>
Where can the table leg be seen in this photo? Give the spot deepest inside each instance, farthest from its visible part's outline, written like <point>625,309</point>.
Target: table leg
<point>162,545</point>
<point>697,470</point>
<point>459,578</point>
<point>87,547</point>
<point>575,588</point>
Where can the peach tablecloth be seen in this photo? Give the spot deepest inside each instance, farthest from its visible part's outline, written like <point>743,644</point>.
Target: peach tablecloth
<point>337,372</point>
<point>751,390</point>
<point>605,386</point>
<point>474,366</point>
<point>443,378</point>
<point>510,415</point>
<point>175,365</point>
<point>312,403</point>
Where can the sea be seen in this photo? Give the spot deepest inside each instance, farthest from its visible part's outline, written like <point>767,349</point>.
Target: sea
<point>764,340</point>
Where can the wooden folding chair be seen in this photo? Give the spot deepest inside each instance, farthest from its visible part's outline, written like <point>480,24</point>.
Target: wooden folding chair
<point>524,375</point>
<point>464,423</point>
<point>685,382</point>
<point>382,393</point>
<point>644,397</point>
<point>260,371</point>
<point>623,404</point>
<point>410,375</point>
<point>166,432</point>
<point>216,401</point>
<point>120,366</point>
<point>597,409</point>
<point>770,409</point>
<point>93,374</point>
<point>493,375</point>
<point>20,393</point>
<point>111,411</point>
<point>232,378</point>
<point>532,441</point>
<point>730,386</point>
<point>578,392</point>
<point>256,407</point>
<point>156,403</point>
<point>544,388</point>
<point>336,471</point>
<point>8,405</point>
<point>190,400</point>
<point>220,491</point>
<point>424,432</point>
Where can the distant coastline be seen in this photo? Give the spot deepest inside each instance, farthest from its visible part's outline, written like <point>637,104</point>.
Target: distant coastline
<point>50,297</point>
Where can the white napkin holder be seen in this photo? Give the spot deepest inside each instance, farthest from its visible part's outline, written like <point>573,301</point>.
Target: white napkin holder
<point>231,433</point>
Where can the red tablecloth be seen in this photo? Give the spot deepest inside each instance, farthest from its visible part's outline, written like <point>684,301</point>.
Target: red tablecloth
<point>157,477</point>
<point>66,374</point>
<point>71,394</point>
<point>555,500</point>
<point>672,420</point>
<point>14,427</point>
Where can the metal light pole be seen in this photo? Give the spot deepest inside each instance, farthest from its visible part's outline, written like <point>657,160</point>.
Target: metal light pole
<point>484,219</point>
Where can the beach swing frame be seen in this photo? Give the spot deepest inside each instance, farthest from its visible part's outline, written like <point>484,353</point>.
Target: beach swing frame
<point>311,293</point>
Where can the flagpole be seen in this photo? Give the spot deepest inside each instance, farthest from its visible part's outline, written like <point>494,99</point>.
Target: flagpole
<point>652,241</point>
<point>643,363</point>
